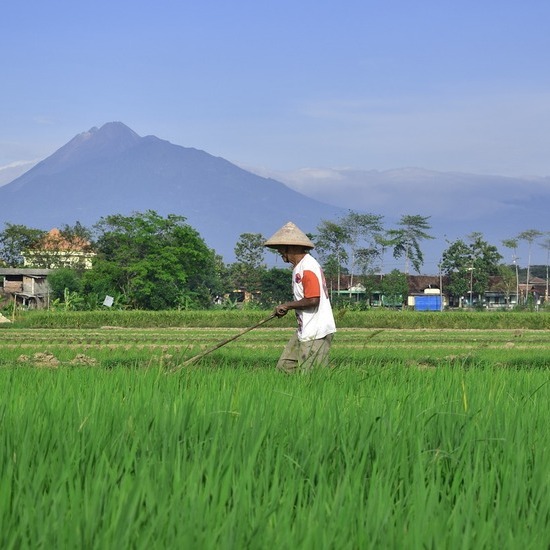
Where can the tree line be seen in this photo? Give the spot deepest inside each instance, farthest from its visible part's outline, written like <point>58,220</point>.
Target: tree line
<point>147,261</point>
<point>144,261</point>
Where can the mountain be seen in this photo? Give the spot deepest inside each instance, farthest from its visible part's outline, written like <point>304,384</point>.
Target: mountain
<point>454,196</point>
<point>112,170</point>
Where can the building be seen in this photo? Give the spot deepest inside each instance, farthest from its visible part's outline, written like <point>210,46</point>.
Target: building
<point>427,293</point>
<point>55,251</point>
<point>27,286</point>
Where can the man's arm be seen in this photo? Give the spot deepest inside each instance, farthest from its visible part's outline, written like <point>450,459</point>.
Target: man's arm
<point>305,303</point>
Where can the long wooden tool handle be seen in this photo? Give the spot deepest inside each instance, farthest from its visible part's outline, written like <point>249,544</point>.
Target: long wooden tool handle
<point>217,346</point>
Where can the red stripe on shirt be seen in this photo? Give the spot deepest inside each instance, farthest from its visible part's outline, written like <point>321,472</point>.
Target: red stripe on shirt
<point>310,282</point>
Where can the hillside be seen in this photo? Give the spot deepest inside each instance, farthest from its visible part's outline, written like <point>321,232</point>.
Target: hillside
<point>112,170</point>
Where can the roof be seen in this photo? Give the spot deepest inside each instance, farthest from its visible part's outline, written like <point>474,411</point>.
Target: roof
<point>419,283</point>
<point>54,241</point>
<point>27,271</point>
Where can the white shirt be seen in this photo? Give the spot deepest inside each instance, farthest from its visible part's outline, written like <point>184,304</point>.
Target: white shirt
<point>308,281</point>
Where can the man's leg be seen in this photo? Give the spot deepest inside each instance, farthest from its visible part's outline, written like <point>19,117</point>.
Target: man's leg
<point>304,356</point>
<point>314,353</point>
<point>288,362</point>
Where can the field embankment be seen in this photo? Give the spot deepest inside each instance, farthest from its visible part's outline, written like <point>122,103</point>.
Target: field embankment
<point>247,317</point>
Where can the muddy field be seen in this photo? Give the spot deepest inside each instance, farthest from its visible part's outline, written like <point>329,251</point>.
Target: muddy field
<point>110,347</point>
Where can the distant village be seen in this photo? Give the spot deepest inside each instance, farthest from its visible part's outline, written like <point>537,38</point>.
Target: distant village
<point>28,286</point>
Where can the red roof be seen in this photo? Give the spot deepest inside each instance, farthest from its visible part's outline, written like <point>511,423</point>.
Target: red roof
<point>53,240</point>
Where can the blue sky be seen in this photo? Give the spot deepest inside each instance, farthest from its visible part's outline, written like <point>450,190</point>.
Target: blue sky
<point>451,86</point>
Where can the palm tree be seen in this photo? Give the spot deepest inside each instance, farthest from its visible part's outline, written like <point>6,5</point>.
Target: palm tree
<point>405,240</point>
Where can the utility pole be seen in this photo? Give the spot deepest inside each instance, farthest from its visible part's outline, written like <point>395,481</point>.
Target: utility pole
<point>471,270</point>
<point>515,262</point>
<point>440,289</point>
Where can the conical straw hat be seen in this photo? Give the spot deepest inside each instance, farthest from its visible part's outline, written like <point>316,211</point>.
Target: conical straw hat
<point>289,235</point>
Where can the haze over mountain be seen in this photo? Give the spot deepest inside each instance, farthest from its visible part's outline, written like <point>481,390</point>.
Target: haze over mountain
<point>113,170</point>
<point>457,203</point>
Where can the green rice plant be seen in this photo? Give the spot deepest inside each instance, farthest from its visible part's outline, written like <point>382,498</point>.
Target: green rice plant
<point>230,453</point>
<point>373,318</point>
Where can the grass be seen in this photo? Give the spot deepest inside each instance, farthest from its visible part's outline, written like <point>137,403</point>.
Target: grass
<point>374,318</point>
<point>426,348</point>
<point>234,458</point>
<point>417,439</point>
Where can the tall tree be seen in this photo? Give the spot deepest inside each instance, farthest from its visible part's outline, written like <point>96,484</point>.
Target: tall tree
<point>364,240</point>
<point>331,241</point>
<point>395,288</point>
<point>469,266</point>
<point>456,262</point>
<point>507,282</point>
<point>530,235</point>
<point>486,260</point>
<point>155,262</point>
<point>15,240</point>
<point>405,240</point>
<point>247,270</point>
<point>64,280</point>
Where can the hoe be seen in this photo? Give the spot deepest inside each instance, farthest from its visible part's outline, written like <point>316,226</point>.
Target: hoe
<point>217,346</point>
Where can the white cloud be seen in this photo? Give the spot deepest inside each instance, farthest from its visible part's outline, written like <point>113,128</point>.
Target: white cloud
<point>458,196</point>
<point>17,164</point>
<point>13,170</point>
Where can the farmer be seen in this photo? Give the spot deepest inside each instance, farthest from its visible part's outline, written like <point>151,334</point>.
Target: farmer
<point>310,344</point>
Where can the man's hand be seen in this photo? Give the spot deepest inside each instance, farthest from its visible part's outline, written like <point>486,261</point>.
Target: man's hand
<point>281,310</point>
<point>305,303</point>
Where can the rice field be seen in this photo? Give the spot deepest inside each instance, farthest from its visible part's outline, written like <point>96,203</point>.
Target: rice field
<point>414,439</point>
